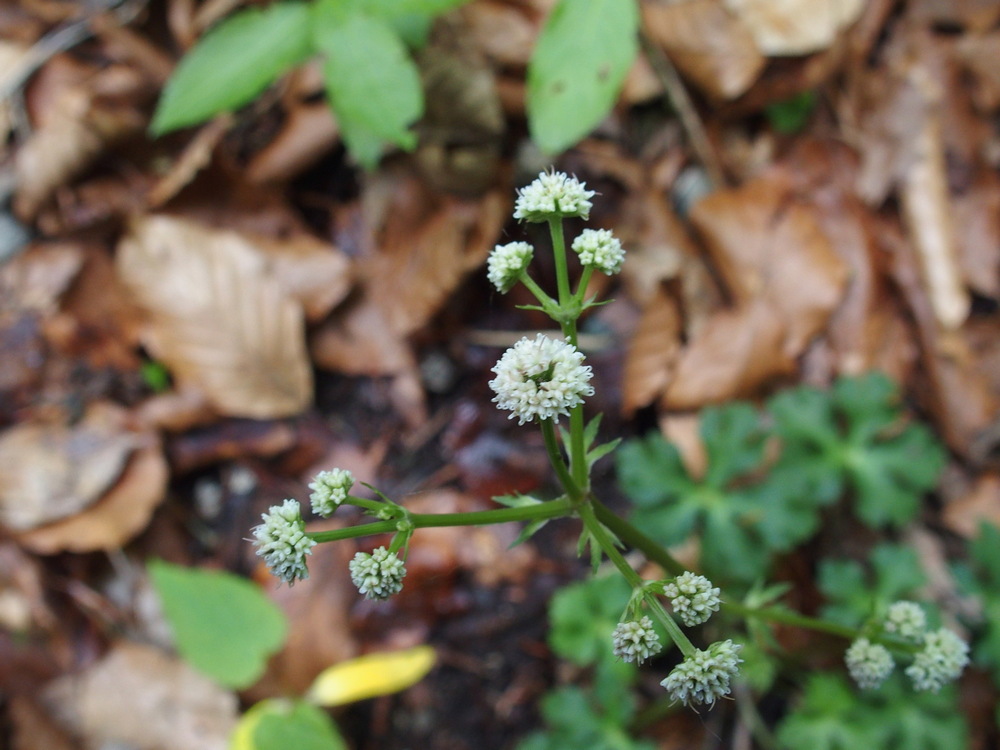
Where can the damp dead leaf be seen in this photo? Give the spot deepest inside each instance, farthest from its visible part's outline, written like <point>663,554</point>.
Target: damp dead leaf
<point>978,55</point>
<point>217,317</point>
<point>308,132</point>
<point>733,354</point>
<point>51,471</point>
<point>652,352</point>
<point>980,504</point>
<point>767,244</point>
<point>707,43</point>
<point>121,513</point>
<point>195,157</point>
<point>795,27</point>
<point>140,697</point>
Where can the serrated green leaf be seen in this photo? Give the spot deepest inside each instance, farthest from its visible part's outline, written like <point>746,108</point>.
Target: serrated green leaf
<point>516,500</point>
<point>827,719</point>
<point>277,724</point>
<point>528,531</point>
<point>601,451</point>
<point>371,82</point>
<point>223,625</point>
<point>579,64</point>
<point>233,63</point>
<point>582,617</point>
<point>853,595</point>
<point>734,442</point>
<point>650,470</point>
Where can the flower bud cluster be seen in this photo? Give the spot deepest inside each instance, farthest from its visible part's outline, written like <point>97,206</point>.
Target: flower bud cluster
<point>282,541</point>
<point>600,249</point>
<point>507,263</point>
<point>693,598</point>
<point>330,489</point>
<point>704,677</point>
<point>941,659</point>
<point>378,575</point>
<point>635,640</point>
<point>553,195</point>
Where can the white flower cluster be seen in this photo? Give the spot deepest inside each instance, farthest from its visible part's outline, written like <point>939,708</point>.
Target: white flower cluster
<point>540,378</point>
<point>636,640</point>
<point>378,575</point>
<point>506,264</point>
<point>941,660</point>
<point>553,195</point>
<point>705,676</point>
<point>281,540</point>
<point>868,663</point>
<point>600,249</point>
<point>330,489</point>
<point>906,620</point>
<point>693,598</point>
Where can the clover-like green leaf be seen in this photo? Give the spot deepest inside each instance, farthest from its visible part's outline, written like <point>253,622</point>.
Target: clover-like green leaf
<point>854,593</point>
<point>223,625</point>
<point>579,64</point>
<point>233,63</point>
<point>584,615</point>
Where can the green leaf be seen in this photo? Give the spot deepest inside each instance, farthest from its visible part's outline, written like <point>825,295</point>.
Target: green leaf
<point>583,55</point>
<point>233,63</point>
<point>582,617</point>
<point>650,470</point>
<point>828,719</point>
<point>277,724</point>
<point>791,115</point>
<point>854,594</point>
<point>224,626</point>
<point>734,442</point>
<point>371,82</point>
<point>155,376</point>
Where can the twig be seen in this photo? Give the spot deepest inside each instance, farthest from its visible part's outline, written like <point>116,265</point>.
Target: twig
<point>691,122</point>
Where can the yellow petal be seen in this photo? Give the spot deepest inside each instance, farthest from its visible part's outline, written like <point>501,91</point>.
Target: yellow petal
<point>370,676</point>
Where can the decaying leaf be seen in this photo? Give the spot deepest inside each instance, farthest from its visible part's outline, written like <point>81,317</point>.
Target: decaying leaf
<point>981,504</point>
<point>708,44</point>
<point>50,472</point>
<point>768,244</point>
<point>140,697</point>
<point>733,354</point>
<point>371,675</point>
<point>652,351</point>
<point>219,317</point>
<point>795,27</point>
<point>121,513</point>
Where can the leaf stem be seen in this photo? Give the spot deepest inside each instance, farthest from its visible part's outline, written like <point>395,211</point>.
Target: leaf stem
<point>555,458</point>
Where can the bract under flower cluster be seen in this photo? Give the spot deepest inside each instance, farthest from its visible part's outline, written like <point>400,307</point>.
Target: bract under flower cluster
<point>541,378</point>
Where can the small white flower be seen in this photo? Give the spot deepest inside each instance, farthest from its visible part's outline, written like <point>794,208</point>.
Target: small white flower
<point>869,663</point>
<point>906,620</point>
<point>704,677</point>
<point>541,378</point>
<point>942,660</point>
<point>553,195</point>
<point>281,540</point>
<point>693,598</point>
<point>601,249</point>
<point>330,489</point>
<point>378,575</point>
<point>636,640</point>
<point>506,264</point>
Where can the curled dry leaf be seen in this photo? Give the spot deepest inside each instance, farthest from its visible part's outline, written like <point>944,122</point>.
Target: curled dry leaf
<point>117,517</point>
<point>979,55</point>
<point>142,698</point>
<point>732,355</point>
<point>309,131</point>
<point>795,27</point>
<point>708,44</point>
<point>50,472</point>
<point>219,317</point>
<point>35,279</point>
<point>981,504</point>
<point>769,245</point>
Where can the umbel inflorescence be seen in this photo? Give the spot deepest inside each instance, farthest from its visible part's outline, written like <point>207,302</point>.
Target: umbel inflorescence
<point>540,380</point>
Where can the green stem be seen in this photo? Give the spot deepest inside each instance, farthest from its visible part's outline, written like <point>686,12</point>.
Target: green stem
<point>787,617</point>
<point>360,502</point>
<point>562,272</point>
<point>577,450</point>
<point>635,538</point>
<point>581,290</point>
<point>607,545</point>
<point>541,511</point>
<point>556,459</point>
<point>544,300</point>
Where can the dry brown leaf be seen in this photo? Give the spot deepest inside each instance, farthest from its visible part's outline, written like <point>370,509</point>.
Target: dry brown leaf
<point>927,213</point>
<point>78,125</point>
<point>424,254</point>
<point>361,342</point>
<point>795,27</point>
<point>503,32</point>
<point>50,472</point>
<point>652,352</point>
<point>708,44</point>
<point>981,504</point>
<point>35,279</point>
<point>140,697</point>
<point>217,317</point>
<point>117,517</point>
<point>769,245</point>
<point>979,55</point>
<point>195,157</point>
<point>733,354</point>
<point>977,15</point>
<point>977,233</point>
<point>308,132</point>
<point>684,431</point>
